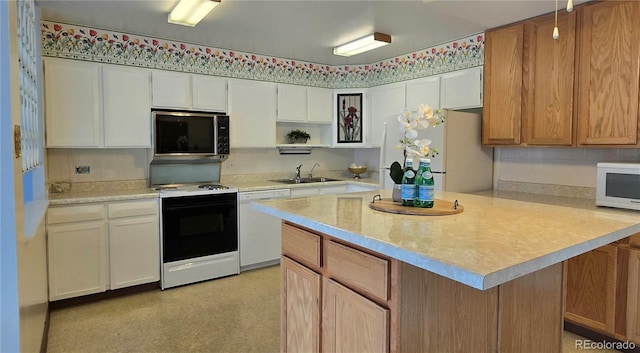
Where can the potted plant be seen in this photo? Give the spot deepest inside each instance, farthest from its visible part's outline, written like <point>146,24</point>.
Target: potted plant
<point>298,136</point>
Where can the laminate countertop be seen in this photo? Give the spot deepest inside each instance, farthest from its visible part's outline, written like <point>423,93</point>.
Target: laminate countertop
<point>496,238</point>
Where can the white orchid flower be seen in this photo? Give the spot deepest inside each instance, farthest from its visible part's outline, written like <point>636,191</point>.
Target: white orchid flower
<point>423,147</point>
<point>425,111</point>
<point>411,134</point>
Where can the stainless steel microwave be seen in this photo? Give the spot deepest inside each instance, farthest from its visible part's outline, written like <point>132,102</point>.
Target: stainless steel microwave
<point>618,185</point>
<point>187,135</point>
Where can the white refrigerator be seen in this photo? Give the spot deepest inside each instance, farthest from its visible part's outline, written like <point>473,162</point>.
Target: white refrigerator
<point>463,164</point>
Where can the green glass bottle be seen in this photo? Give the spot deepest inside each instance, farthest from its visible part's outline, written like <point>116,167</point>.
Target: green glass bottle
<point>408,184</point>
<point>424,184</point>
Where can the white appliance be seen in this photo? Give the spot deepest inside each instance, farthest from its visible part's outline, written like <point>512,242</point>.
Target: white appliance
<point>259,232</point>
<point>463,164</point>
<point>618,185</point>
<point>198,233</point>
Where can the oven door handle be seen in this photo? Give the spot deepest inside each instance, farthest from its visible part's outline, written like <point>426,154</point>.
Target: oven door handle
<point>195,205</point>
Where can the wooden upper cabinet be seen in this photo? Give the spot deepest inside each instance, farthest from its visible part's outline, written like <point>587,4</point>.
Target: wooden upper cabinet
<point>502,107</point>
<point>609,74</point>
<point>549,80</point>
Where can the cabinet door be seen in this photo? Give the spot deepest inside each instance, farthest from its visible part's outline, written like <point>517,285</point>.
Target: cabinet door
<point>333,190</point>
<point>461,89</point>
<point>292,103</point>
<point>351,322</point>
<point>609,73</point>
<point>171,90</point>
<point>387,103</point>
<point>591,289</point>
<point>209,93</point>
<point>72,103</point>
<point>633,295</point>
<point>134,251</point>
<point>423,91</point>
<point>77,255</point>
<point>319,105</point>
<point>503,85</point>
<point>548,94</point>
<point>252,111</point>
<point>300,308</point>
<point>126,94</point>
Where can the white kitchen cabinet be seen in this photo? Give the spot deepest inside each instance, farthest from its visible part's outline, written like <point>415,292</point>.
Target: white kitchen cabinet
<point>178,90</point>
<point>461,89</point>
<point>362,187</point>
<point>292,103</point>
<point>387,101</point>
<point>126,106</point>
<point>305,191</point>
<point>77,251</point>
<point>134,243</point>
<point>72,103</point>
<point>209,93</point>
<point>171,89</point>
<point>423,91</point>
<point>252,111</point>
<point>100,246</point>
<point>319,105</point>
<point>333,189</point>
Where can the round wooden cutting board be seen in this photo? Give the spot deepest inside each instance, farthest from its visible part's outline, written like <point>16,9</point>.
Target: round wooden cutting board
<point>440,208</point>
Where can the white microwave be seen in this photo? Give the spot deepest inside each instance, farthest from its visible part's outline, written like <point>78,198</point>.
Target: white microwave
<point>618,185</point>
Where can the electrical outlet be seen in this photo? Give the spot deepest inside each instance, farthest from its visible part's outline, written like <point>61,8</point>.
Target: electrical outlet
<point>83,169</point>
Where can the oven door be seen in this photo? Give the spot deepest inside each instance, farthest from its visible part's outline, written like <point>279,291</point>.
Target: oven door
<point>196,226</point>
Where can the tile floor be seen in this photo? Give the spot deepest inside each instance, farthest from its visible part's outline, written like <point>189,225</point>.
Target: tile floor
<point>233,314</point>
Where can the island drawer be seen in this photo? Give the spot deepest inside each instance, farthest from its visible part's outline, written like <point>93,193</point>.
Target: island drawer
<point>358,269</point>
<point>301,245</point>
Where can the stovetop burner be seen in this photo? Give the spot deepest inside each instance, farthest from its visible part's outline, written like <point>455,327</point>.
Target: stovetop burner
<point>214,186</point>
<point>174,190</point>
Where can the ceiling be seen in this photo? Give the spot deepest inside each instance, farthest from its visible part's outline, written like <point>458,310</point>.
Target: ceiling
<point>304,30</point>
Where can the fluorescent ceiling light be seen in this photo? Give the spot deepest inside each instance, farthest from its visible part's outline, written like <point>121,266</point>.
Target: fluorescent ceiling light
<point>372,41</point>
<point>190,12</point>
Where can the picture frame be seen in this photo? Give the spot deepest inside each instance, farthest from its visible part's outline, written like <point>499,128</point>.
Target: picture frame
<point>349,113</point>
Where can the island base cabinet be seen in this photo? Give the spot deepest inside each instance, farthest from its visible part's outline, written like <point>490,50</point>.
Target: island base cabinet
<point>420,311</point>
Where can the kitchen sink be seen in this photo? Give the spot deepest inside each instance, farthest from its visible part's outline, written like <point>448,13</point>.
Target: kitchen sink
<point>304,180</point>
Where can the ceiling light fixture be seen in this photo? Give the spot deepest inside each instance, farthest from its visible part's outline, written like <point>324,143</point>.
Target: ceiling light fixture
<point>372,41</point>
<point>190,12</point>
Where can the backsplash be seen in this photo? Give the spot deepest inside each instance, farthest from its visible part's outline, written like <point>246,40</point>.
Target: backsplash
<point>559,166</point>
<point>108,165</point>
<point>93,44</point>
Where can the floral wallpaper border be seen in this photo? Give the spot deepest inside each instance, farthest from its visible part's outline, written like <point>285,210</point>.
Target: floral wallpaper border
<point>90,44</point>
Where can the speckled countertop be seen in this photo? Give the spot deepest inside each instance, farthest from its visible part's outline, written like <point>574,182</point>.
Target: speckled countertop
<point>497,238</point>
<point>117,194</point>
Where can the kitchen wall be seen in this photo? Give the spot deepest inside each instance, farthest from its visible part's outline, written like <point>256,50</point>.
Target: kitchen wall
<point>133,164</point>
<point>560,166</point>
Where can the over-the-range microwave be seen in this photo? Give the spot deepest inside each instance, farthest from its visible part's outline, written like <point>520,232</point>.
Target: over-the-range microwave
<point>186,134</point>
<point>618,185</point>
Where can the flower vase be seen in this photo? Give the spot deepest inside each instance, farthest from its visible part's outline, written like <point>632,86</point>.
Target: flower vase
<point>396,195</point>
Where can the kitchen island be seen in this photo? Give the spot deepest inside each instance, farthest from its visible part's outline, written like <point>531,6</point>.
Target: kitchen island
<point>489,279</point>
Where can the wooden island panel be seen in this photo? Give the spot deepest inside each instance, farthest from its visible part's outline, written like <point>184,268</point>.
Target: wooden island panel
<point>420,310</point>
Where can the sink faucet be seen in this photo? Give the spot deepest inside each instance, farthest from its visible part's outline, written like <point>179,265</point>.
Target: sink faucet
<point>298,172</point>
<point>311,172</point>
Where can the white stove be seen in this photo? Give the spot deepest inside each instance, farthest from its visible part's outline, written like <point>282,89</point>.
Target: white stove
<point>209,188</point>
<point>198,231</point>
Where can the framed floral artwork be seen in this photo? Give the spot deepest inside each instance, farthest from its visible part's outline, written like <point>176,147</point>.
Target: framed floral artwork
<point>349,118</point>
